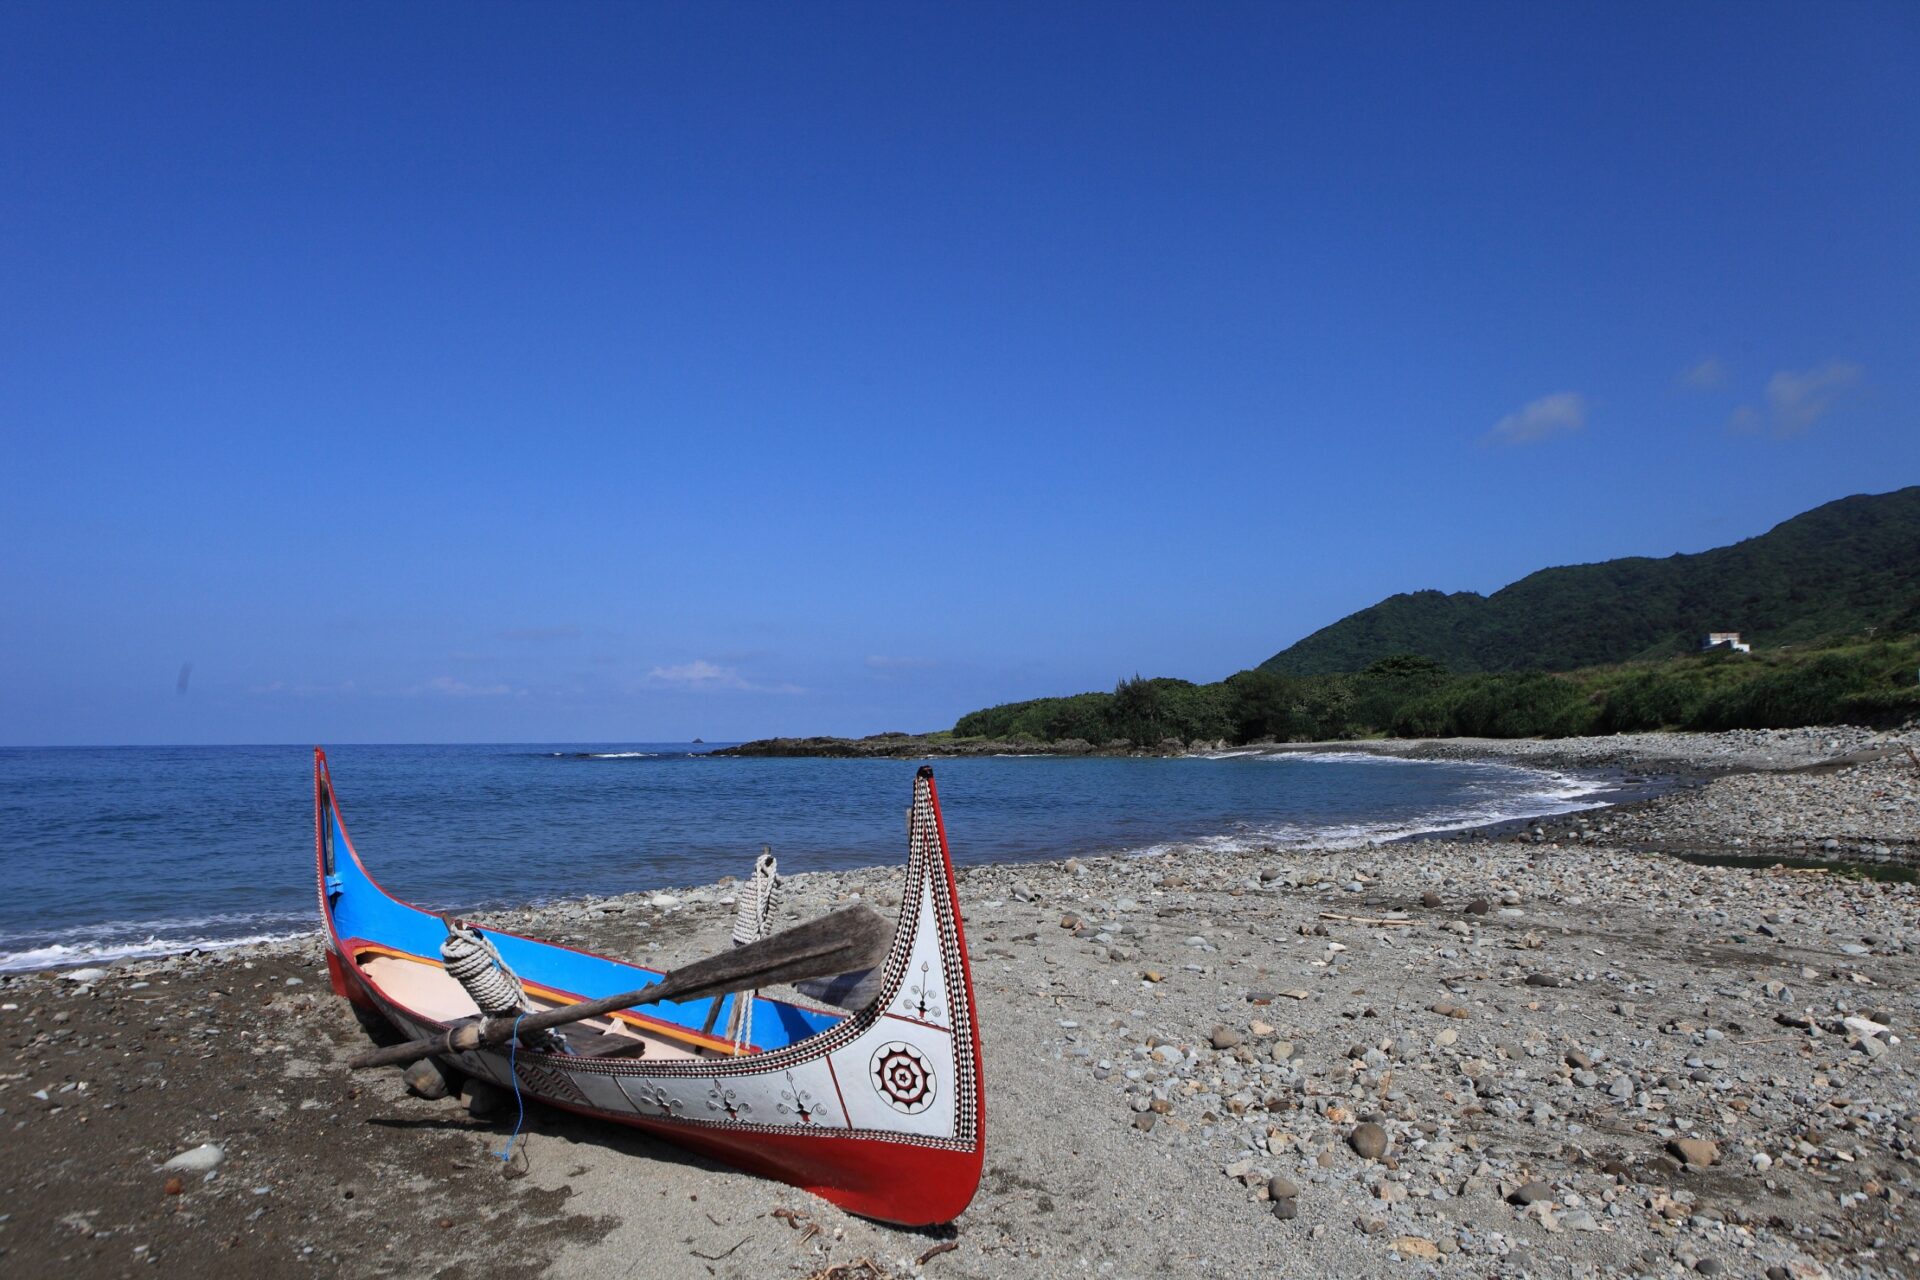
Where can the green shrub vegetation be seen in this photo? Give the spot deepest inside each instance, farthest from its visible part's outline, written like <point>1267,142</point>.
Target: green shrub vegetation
<point>1869,681</point>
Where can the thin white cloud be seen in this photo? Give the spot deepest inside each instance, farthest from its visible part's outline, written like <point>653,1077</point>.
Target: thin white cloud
<point>565,631</point>
<point>1562,413</point>
<point>301,689</point>
<point>701,675</point>
<point>1705,376</point>
<point>1798,400</point>
<point>892,662</point>
<point>452,687</point>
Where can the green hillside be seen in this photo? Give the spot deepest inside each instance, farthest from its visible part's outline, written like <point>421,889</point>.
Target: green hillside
<point>1834,571</point>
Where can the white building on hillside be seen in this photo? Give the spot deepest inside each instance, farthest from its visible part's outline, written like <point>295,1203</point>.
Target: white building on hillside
<point>1728,639</point>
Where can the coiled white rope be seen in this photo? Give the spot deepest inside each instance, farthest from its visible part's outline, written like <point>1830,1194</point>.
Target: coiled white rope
<point>751,912</point>
<point>475,962</point>
<point>495,988</point>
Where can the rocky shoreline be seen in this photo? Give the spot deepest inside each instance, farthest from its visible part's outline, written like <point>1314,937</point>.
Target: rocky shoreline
<point>1693,753</point>
<point>921,746</point>
<point>1559,1052</point>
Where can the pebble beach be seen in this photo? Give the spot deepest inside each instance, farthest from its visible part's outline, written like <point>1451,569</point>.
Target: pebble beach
<point>1555,1049</point>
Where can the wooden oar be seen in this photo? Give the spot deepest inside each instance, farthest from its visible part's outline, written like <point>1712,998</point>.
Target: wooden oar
<point>852,938</point>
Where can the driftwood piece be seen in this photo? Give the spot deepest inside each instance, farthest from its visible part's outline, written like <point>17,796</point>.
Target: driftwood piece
<point>945,1246</point>
<point>427,1079</point>
<point>852,938</point>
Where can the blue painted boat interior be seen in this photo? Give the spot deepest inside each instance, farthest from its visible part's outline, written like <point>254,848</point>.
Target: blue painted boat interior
<point>362,910</point>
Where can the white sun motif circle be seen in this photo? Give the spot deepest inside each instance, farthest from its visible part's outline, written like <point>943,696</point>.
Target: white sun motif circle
<point>903,1076</point>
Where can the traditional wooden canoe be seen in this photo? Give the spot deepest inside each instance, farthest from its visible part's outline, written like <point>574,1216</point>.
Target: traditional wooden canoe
<point>880,1111</point>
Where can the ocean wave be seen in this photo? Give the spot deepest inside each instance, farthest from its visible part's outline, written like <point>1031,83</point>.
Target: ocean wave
<point>60,955</point>
<point>604,755</point>
<point>1551,795</point>
<point>109,940</point>
<point>1360,755</point>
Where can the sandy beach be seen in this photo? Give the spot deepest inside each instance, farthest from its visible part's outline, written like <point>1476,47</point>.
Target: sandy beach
<point>1556,1050</point>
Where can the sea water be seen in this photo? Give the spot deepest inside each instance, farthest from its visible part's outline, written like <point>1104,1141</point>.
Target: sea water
<point>108,853</point>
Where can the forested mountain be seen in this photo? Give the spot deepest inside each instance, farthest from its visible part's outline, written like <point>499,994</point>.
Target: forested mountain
<point>1833,571</point>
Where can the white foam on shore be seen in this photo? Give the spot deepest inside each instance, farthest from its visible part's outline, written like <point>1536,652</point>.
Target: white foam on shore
<point>114,940</point>
<point>1553,793</point>
<point>60,955</point>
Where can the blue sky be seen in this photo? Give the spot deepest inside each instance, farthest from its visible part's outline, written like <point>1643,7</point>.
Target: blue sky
<point>642,372</point>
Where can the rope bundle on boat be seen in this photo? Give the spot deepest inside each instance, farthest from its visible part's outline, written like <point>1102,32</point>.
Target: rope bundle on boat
<point>476,964</point>
<point>758,897</point>
<point>751,914</point>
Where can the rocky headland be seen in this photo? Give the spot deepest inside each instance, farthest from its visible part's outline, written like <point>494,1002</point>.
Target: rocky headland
<point>924,746</point>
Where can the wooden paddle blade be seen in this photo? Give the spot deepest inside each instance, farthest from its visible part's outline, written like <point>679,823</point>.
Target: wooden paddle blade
<point>851,938</point>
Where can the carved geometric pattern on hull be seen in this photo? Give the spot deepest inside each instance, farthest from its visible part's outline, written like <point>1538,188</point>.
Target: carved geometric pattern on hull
<point>547,1082</point>
<point>903,1076</point>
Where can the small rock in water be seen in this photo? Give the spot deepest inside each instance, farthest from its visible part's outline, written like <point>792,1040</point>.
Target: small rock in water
<point>204,1158</point>
<point>1368,1140</point>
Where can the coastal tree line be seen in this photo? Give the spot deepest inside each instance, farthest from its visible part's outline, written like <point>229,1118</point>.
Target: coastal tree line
<point>1869,682</point>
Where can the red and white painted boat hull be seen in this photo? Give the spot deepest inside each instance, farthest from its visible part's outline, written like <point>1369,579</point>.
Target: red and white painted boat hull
<point>882,1113</point>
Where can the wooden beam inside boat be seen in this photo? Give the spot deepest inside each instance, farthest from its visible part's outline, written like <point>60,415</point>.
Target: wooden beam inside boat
<point>850,939</point>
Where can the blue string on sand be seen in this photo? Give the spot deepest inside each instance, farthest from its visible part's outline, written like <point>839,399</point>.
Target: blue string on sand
<point>520,1107</point>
